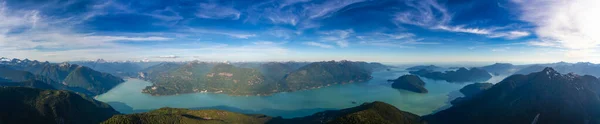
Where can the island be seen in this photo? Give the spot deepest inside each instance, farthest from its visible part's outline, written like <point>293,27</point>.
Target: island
<point>409,82</point>
<point>461,75</point>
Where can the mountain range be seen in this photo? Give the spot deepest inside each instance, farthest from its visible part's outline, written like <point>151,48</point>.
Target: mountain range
<point>60,76</point>
<point>540,97</point>
<point>121,69</point>
<point>544,97</point>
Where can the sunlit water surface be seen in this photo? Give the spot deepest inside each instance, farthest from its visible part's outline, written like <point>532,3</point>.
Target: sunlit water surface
<point>127,98</point>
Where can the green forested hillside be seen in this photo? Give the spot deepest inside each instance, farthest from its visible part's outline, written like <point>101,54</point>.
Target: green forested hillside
<point>320,74</point>
<point>22,105</point>
<point>263,79</point>
<point>186,116</point>
<point>93,81</point>
<point>368,113</point>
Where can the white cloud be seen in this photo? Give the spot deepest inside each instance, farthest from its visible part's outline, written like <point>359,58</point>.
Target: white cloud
<point>432,15</point>
<point>282,33</point>
<point>543,44</point>
<point>216,11</point>
<point>326,8</point>
<point>503,49</point>
<point>27,34</point>
<point>268,43</point>
<point>423,14</point>
<point>400,40</point>
<point>462,29</point>
<point>301,14</point>
<point>168,57</point>
<point>167,14</point>
<point>339,37</point>
<point>398,36</point>
<point>227,33</point>
<point>317,44</point>
<point>123,38</point>
<point>570,24</point>
<point>510,35</point>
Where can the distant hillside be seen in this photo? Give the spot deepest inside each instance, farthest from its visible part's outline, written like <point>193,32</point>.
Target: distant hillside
<point>262,79</point>
<point>29,83</point>
<point>459,76</point>
<point>61,76</point>
<point>471,90</point>
<point>21,105</point>
<point>501,68</point>
<point>368,113</point>
<point>543,97</point>
<point>426,67</point>
<point>320,74</point>
<point>121,69</point>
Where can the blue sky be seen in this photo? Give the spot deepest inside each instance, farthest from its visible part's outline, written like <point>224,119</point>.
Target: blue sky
<point>526,31</point>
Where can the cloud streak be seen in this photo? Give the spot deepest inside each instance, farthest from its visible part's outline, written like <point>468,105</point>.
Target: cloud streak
<point>216,11</point>
<point>317,44</point>
<point>432,15</point>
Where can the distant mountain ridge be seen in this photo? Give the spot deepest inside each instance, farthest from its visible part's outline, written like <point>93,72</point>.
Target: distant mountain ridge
<point>581,68</point>
<point>254,78</point>
<point>501,68</point>
<point>426,67</point>
<point>459,76</point>
<point>61,76</point>
<point>121,69</point>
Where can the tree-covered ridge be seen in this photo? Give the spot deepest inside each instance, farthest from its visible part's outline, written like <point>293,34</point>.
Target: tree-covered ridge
<point>368,113</point>
<point>61,76</point>
<point>209,77</point>
<point>186,116</point>
<point>21,105</point>
<point>320,74</point>
<point>262,79</point>
<point>28,83</point>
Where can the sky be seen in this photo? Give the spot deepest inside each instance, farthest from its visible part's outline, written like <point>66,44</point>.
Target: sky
<point>402,31</point>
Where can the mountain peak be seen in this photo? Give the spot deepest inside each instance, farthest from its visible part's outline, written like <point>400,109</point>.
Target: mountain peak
<point>549,70</point>
<point>100,61</point>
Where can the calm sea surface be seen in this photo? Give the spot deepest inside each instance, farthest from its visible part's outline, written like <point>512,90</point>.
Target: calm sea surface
<point>127,98</point>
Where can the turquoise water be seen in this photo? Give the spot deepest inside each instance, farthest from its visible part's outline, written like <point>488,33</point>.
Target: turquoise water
<point>127,98</point>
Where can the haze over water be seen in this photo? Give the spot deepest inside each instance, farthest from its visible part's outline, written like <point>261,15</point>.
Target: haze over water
<point>292,104</point>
